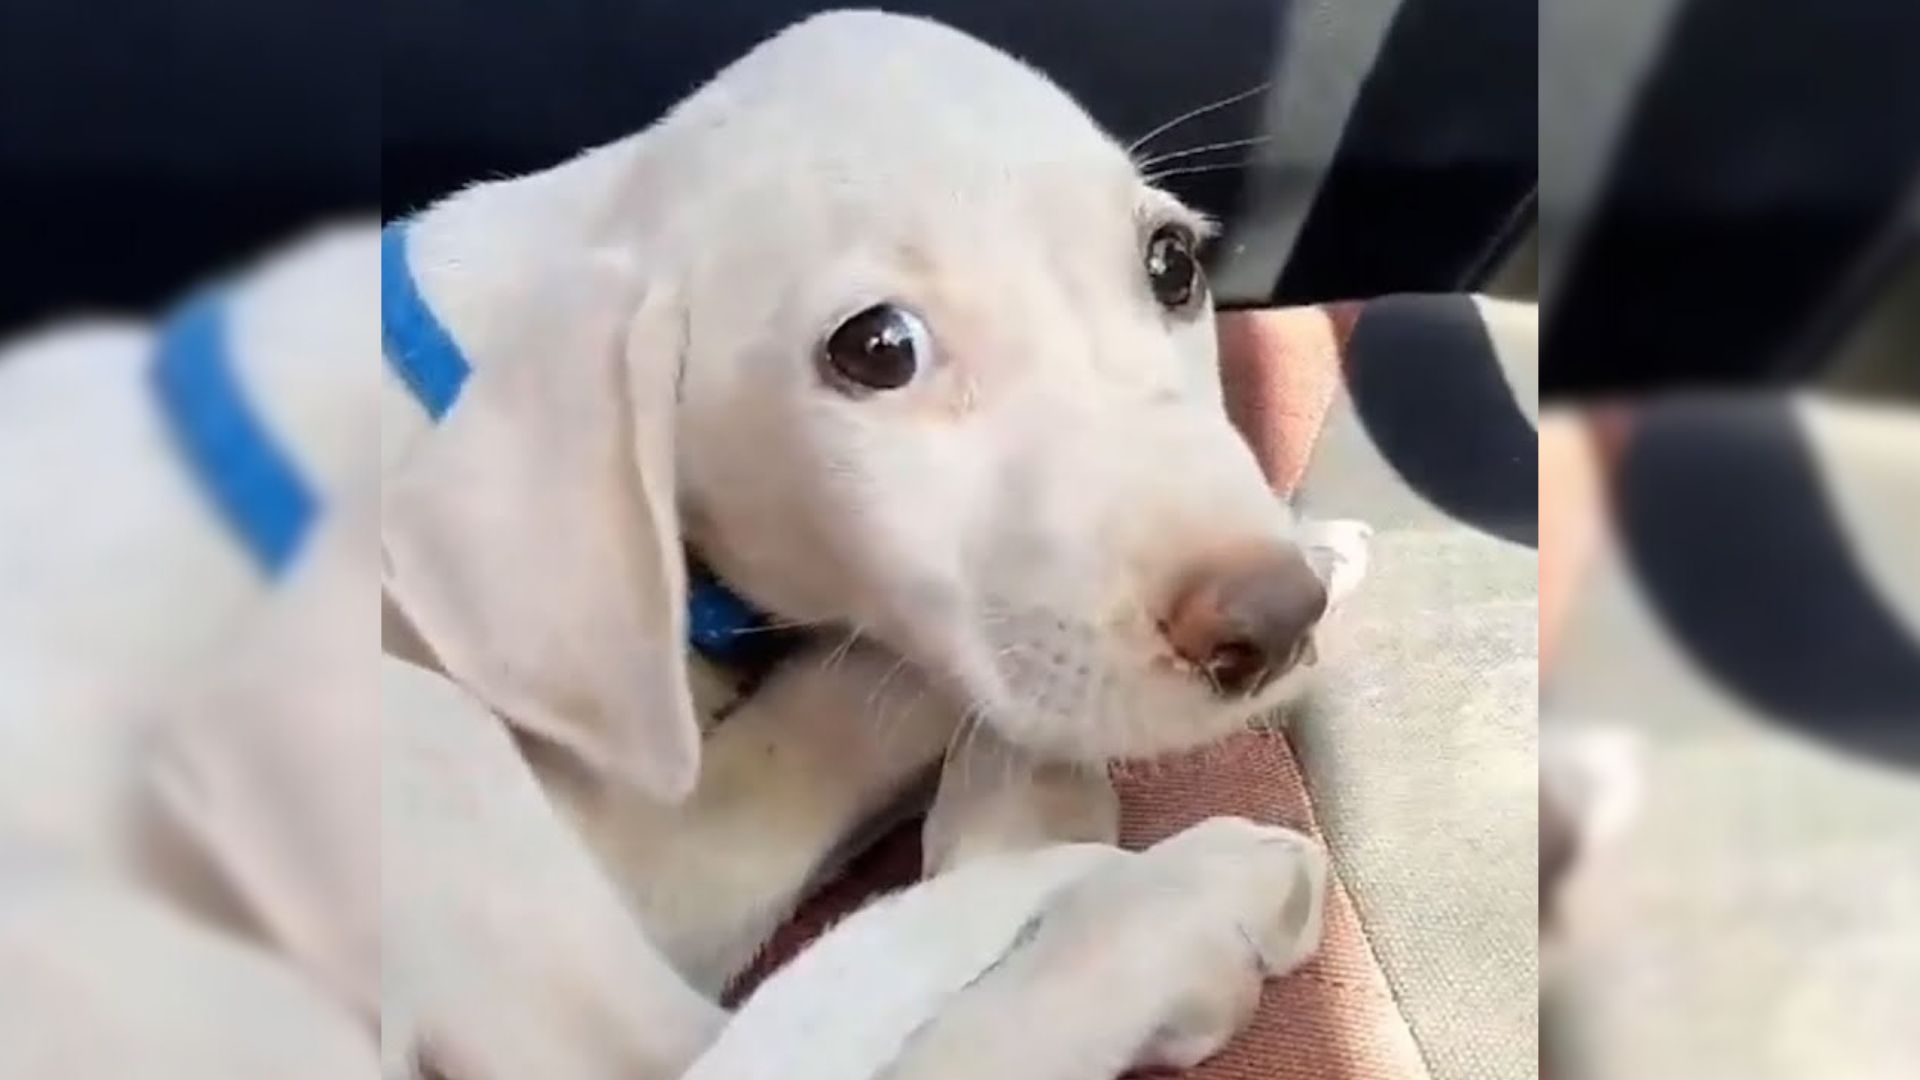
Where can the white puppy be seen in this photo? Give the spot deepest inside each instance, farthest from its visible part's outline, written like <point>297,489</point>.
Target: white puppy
<point>884,328</point>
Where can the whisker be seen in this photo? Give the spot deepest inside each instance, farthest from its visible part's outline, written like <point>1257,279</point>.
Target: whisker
<point>1196,151</point>
<point>887,725</point>
<point>966,768</point>
<point>880,687</point>
<point>1184,170</point>
<point>1212,680</point>
<point>1194,114</point>
<point>967,719</point>
<point>883,725</point>
<point>918,697</point>
<point>1015,651</point>
<point>840,652</point>
<point>775,627</point>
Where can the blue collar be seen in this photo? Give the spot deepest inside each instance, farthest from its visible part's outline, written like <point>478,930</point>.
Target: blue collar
<point>252,483</point>
<point>720,624</point>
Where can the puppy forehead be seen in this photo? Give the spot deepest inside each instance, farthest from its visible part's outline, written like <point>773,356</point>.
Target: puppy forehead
<point>851,94</point>
<point>860,157</point>
<point>862,129</point>
<point>978,226</point>
<point>869,67</point>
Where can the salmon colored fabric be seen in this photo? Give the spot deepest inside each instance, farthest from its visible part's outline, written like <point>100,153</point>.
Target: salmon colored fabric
<point>1335,1018</point>
<point>1580,453</point>
<point>1281,371</point>
<point>1572,522</point>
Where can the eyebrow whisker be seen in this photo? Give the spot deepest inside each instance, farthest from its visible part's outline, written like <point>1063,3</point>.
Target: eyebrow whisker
<point>1195,151</point>
<point>1196,113</point>
<point>1186,170</point>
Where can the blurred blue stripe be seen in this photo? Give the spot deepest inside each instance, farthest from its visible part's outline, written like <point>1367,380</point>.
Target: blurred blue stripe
<point>254,485</point>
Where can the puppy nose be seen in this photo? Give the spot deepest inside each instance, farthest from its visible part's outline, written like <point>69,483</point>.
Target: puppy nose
<point>1244,619</point>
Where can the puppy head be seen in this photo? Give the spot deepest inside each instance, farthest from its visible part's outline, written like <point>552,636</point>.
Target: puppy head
<point>950,378</point>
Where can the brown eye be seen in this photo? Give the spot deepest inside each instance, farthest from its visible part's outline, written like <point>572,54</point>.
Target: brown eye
<point>1173,271</point>
<point>880,348</point>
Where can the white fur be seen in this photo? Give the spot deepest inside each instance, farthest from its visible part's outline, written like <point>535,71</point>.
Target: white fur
<point>506,951</point>
<point>994,797</point>
<point>116,579</point>
<point>259,794</point>
<point>187,762</point>
<point>1070,962</point>
<point>103,980</point>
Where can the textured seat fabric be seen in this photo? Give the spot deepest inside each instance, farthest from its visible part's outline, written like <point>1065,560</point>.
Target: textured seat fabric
<point>1735,585</point>
<point>1419,743</point>
<point>1415,758</point>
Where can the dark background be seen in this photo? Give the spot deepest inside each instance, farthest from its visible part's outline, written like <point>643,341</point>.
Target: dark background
<point>143,145</point>
<point>1760,193</point>
<point>191,133</point>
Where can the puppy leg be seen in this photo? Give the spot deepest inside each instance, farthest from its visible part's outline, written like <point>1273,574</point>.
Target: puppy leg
<point>103,979</point>
<point>1157,961</point>
<point>791,783</point>
<point>843,1008</point>
<point>1071,962</point>
<point>996,798</point>
<point>504,952</point>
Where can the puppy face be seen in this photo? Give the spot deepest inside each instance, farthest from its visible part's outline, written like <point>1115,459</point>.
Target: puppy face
<point>951,380</point>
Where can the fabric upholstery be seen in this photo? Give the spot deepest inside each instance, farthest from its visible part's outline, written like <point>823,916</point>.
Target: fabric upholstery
<point>1759,917</point>
<point>1419,744</point>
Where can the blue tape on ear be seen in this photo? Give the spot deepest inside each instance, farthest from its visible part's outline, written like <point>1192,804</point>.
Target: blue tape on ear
<point>419,349</point>
<point>256,488</point>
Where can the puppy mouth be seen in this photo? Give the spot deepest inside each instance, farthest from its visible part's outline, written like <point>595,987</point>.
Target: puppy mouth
<point>1088,694</point>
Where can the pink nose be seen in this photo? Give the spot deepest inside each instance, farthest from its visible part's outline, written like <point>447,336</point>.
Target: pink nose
<point>1244,618</point>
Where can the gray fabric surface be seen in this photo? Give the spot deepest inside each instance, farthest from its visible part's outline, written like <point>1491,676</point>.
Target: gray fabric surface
<point>1420,749</point>
<point>1759,918</point>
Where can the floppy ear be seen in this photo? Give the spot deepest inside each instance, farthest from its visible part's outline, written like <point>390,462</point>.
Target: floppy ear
<point>532,538</point>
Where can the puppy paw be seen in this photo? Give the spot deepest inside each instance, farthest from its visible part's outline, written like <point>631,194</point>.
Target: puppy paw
<point>1201,1023</point>
<point>1337,551</point>
<point>1249,907</point>
<point>1265,884</point>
